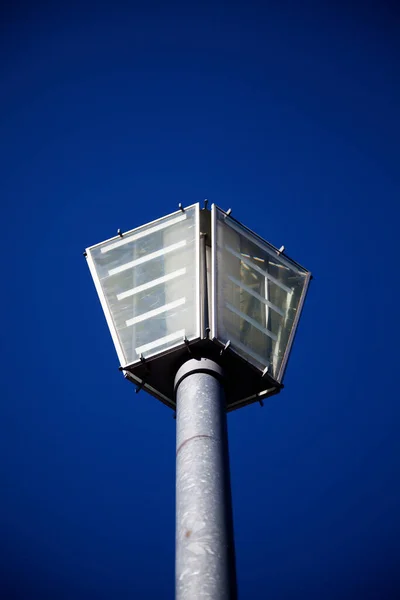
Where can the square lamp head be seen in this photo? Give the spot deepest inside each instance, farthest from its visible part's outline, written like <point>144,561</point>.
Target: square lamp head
<point>199,284</point>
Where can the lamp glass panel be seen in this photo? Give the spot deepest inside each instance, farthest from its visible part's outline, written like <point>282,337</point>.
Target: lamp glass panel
<point>258,294</point>
<point>149,282</point>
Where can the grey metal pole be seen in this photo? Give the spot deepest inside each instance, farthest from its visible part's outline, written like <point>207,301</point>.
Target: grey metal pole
<point>205,557</point>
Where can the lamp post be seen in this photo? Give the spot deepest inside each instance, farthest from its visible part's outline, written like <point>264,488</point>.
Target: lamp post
<point>203,314</point>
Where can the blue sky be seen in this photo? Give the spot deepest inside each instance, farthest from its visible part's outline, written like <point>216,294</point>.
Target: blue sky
<point>110,116</point>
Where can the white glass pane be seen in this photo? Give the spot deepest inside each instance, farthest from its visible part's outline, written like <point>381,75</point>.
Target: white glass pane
<point>148,280</point>
<point>257,294</point>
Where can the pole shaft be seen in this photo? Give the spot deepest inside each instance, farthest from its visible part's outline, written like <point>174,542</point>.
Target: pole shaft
<point>205,561</point>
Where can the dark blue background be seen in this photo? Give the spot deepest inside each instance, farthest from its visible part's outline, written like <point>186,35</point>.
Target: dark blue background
<point>288,112</point>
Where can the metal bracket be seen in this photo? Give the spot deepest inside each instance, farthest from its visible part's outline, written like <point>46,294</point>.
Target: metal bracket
<point>281,250</point>
<point>187,345</point>
<point>181,207</point>
<point>228,212</point>
<point>140,386</point>
<point>119,233</point>
<point>142,359</point>
<point>205,203</point>
<point>85,254</point>
<point>261,403</point>
<point>265,372</point>
<point>228,343</point>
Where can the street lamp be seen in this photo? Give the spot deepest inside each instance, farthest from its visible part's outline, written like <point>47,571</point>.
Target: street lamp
<point>203,313</point>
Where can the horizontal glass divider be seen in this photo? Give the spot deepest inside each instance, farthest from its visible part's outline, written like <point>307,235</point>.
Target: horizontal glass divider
<point>253,322</point>
<point>172,337</point>
<point>155,312</point>
<point>151,284</point>
<point>147,257</point>
<point>248,289</point>
<point>236,344</point>
<point>142,234</point>
<point>262,272</point>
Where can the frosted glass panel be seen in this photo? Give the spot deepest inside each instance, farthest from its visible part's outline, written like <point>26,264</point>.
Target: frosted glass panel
<point>258,293</point>
<point>149,282</point>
